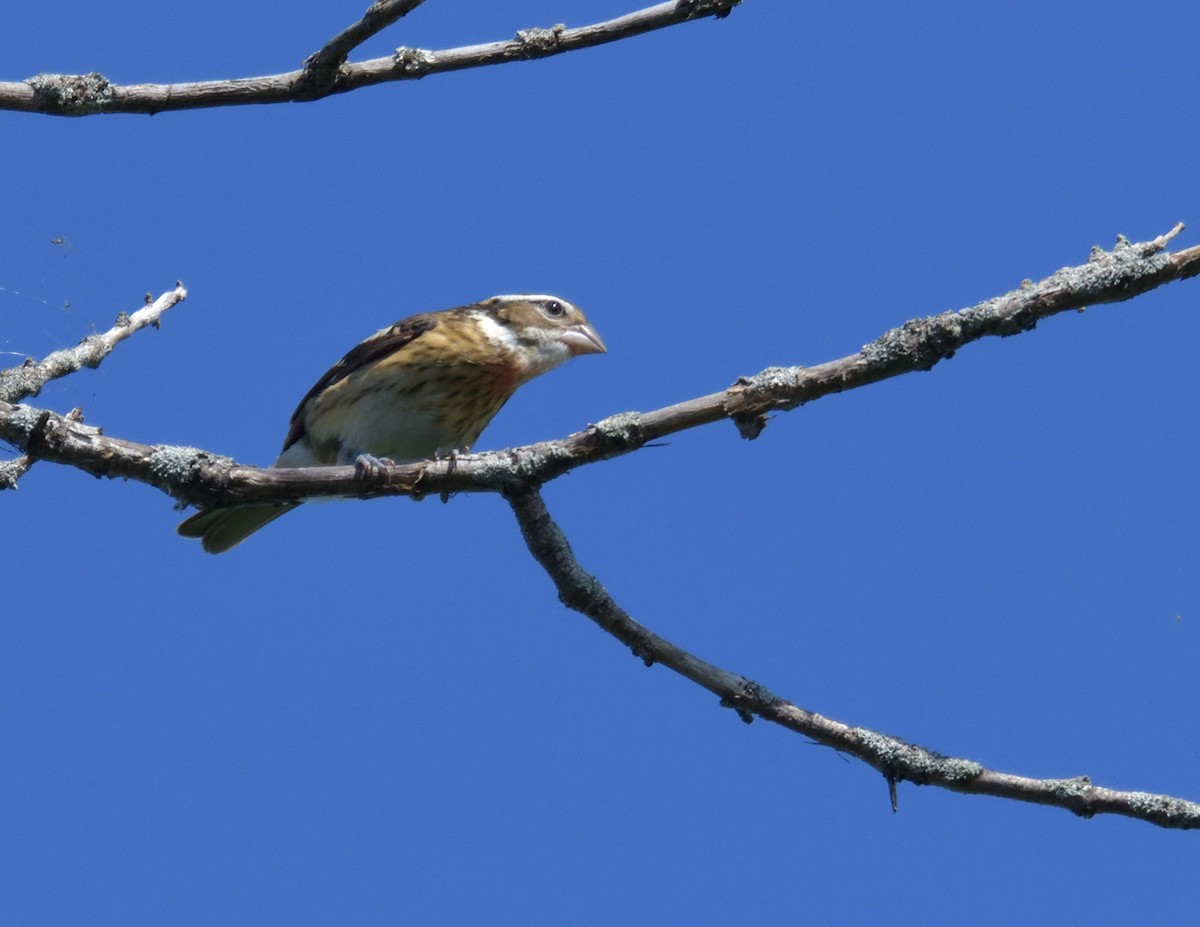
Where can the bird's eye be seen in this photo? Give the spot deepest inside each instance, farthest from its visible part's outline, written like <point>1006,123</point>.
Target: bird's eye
<point>554,309</point>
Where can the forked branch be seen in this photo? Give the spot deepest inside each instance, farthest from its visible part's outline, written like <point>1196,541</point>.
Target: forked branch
<point>206,479</point>
<point>198,476</point>
<point>327,72</point>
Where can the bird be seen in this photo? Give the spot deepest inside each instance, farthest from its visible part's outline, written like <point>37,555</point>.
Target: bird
<point>423,388</point>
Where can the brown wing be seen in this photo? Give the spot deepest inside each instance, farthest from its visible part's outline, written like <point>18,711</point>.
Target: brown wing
<point>378,345</point>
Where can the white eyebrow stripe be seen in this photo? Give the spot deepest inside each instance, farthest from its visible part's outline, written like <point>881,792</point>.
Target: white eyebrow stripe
<point>531,297</point>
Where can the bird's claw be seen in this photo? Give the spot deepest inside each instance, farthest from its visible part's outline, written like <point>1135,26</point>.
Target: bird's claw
<point>368,467</point>
<point>452,465</point>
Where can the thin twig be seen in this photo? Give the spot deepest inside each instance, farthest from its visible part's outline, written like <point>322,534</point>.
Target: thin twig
<point>898,760</point>
<point>19,383</point>
<point>92,93</point>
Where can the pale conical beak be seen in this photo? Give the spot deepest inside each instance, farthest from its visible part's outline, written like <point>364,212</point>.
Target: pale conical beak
<point>582,339</point>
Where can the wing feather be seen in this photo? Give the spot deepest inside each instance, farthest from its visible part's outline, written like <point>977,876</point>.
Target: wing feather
<point>381,344</point>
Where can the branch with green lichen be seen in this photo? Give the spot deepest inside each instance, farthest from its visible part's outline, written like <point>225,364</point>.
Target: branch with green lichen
<point>193,475</point>
<point>327,72</point>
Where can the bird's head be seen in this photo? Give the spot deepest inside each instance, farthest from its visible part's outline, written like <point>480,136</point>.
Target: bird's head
<point>544,331</point>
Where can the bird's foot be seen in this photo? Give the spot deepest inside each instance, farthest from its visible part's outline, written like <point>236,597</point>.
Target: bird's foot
<point>368,467</point>
<point>451,466</point>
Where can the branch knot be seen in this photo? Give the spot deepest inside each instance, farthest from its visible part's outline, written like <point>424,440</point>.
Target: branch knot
<point>537,42</point>
<point>622,431</point>
<point>750,398</point>
<point>412,60</point>
<point>72,94</point>
<point>696,9</point>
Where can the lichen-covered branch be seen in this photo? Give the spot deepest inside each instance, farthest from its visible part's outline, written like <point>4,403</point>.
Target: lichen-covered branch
<point>898,760</point>
<point>27,380</point>
<point>201,478</point>
<point>11,471</point>
<point>327,72</point>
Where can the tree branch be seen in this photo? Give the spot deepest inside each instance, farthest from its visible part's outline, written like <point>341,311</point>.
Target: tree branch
<point>898,760</point>
<point>11,471</point>
<point>326,72</point>
<point>19,383</point>
<point>321,66</point>
<point>205,479</point>
<point>197,476</point>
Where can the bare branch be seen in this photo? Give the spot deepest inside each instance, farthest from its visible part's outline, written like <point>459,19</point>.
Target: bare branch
<point>19,383</point>
<point>89,94</point>
<point>897,760</point>
<point>206,479</point>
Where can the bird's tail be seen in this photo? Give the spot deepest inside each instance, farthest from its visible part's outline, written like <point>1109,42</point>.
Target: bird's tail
<point>221,529</point>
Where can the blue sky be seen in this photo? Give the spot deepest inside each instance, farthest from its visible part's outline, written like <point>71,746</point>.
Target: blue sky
<point>378,712</point>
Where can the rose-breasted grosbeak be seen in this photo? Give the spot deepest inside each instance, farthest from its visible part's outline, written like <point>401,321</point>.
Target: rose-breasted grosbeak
<point>424,387</point>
